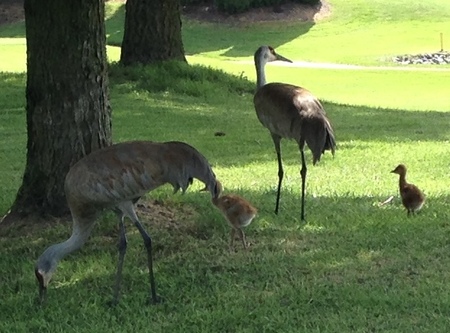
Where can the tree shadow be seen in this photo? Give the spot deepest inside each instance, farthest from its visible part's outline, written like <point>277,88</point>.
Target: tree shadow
<point>12,18</point>
<point>238,42</point>
<point>193,116</point>
<point>231,40</point>
<point>202,118</point>
<point>359,122</point>
<point>362,124</point>
<point>13,30</point>
<point>343,234</point>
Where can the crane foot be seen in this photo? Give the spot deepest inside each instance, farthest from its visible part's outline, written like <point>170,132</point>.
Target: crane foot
<point>156,300</point>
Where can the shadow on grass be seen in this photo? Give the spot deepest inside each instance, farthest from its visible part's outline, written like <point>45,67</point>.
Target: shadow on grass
<point>13,30</point>
<point>233,41</point>
<point>194,105</point>
<point>232,112</point>
<point>238,42</point>
<point>350,243</point>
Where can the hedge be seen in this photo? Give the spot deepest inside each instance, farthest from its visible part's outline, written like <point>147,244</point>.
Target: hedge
<point>239,6</point>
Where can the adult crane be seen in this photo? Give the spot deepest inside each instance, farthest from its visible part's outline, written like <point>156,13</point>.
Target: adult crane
<point>114,178</point>
<point>291,112</point>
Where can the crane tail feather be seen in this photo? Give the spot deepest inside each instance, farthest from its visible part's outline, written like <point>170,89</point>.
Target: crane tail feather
<point>330,141</point>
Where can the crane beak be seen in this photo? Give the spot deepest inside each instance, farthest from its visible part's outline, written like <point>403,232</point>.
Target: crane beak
<point>217,189</point>
<point>281,58</point>
<point>42,287</point>
<point>42,294</point>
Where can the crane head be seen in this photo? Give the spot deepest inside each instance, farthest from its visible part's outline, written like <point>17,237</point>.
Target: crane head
<point>267,54</point>
<point>400,170</point>
<point>44,271</point>
<point>216,191</point>
<point>43,279</point>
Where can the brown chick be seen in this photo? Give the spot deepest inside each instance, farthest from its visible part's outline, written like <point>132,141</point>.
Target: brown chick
<point>237,211</point>
<point>412,197</point>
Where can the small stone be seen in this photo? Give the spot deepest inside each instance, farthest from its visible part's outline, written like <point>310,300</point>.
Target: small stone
<point>437,58</point>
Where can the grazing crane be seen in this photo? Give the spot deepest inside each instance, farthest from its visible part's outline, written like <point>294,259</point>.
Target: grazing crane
<point>291,112</point>
<point>238,212</point>
<point>412,197</point>
<point>115,177</point>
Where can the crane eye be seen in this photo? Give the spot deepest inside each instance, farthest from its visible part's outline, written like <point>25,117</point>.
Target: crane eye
<point>272,50</point>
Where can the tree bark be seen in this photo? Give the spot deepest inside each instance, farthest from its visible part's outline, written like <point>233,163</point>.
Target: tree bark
<point>68,111</point>
<point>152,32</point>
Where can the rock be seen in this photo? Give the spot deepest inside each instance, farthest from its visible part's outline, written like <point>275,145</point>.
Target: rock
<point>436,58</point>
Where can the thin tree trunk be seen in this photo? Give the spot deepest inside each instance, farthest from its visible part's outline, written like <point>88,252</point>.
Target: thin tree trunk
<point>68,112</point>
<point>152,32</point>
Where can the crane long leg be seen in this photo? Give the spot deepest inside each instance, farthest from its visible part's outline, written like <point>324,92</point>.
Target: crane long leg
<point>122,250</point>
<point>303,175</point>
<point>148,246</point>
<point>242,237</point>
<point>128,210</point>
<point>276,141</point>
<point>232,234</point>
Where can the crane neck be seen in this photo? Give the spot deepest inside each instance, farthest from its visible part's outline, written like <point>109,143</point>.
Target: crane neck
<point>54,253</point>
<point>402,180</point>
<point>260,74</point>
<point>215,201</point>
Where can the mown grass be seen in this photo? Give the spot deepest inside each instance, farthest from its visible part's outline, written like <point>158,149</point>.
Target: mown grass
<point>353,267</point>
<point>358,32</point>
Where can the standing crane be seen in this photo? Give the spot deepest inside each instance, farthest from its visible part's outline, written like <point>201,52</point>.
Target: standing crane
<point>412,197</point>
<point>291,112</point>
<point>114,178</point>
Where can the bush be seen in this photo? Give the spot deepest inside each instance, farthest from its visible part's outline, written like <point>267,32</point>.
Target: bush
<point>239,6</point>
<point>194,2</point>
<point>234,6</point>
<point>308,2</point>
<point>180,78</point>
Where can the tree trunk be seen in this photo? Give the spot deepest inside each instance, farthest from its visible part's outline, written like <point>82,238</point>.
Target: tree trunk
<point>68,112</point>
<point>152,32</point>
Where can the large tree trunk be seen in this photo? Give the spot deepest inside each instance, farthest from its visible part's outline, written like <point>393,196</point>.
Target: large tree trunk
<point>68,112</point>
<point>152,32</point>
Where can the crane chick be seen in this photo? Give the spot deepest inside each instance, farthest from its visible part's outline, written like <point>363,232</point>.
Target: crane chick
<point>412,197</point>
<point>238,212</point>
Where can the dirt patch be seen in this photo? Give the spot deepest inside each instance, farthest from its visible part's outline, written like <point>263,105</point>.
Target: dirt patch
<point>12,11</point>
<point>288,11</point>
<point>15,225</point>
<point>179,219</point>
<point>155,212</point>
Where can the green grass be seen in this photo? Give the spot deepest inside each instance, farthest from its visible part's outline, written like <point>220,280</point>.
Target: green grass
<point>354,267</point>
<point>358,32</point>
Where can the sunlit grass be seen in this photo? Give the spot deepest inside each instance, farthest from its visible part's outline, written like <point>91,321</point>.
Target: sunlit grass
<point>354,266</point>
<point>356,32</point>
<point>13,55</point>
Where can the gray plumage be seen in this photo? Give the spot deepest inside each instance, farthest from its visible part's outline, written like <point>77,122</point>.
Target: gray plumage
<point>291,112</point>
<point>114,178</point>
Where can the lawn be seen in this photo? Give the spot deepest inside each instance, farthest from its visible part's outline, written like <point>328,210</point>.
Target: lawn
<point>354,266</point>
